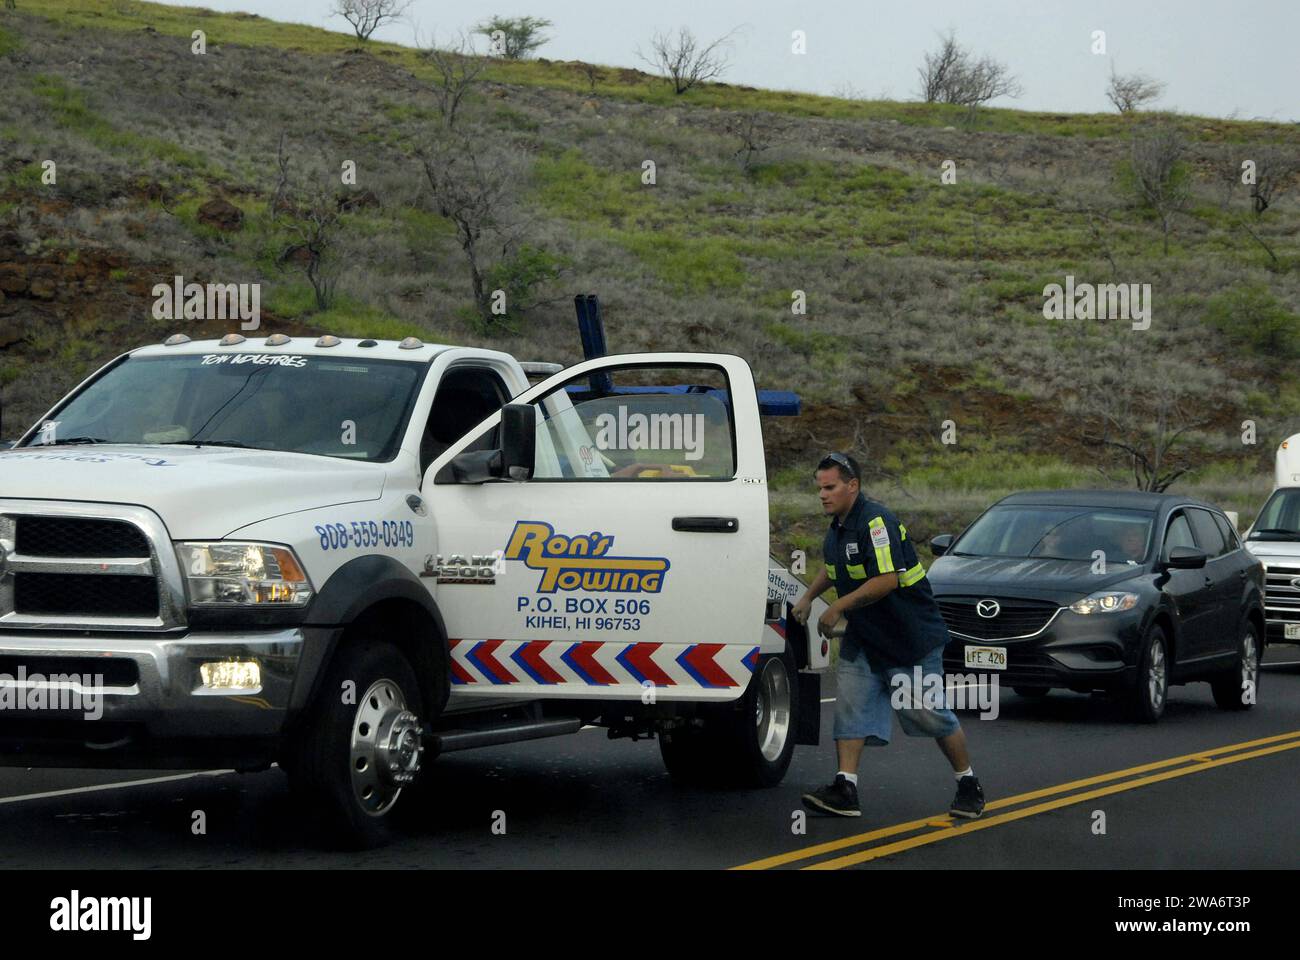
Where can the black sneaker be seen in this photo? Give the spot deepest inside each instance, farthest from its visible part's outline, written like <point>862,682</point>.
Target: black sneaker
<point>969,802</point>
<point>839,798</point>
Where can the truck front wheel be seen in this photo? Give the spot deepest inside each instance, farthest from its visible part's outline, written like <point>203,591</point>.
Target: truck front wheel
<point>361,745</point>
<point>746,743</point>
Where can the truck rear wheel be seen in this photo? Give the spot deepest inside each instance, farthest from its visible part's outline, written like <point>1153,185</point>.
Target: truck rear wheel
<point>355,754</point>
<point>746,743</point>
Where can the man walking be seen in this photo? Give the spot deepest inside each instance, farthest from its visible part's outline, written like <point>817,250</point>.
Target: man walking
<point>894,627</point>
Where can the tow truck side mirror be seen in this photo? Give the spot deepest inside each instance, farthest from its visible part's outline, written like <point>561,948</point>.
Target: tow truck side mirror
<point>513,461</point>
<point>518,440</point>
<point>941,544</point>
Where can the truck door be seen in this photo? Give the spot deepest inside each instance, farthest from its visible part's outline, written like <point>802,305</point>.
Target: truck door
<point>634,558</point>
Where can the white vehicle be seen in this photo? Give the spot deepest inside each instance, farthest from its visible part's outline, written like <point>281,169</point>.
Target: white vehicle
<point>1274,537</point>
<point>348,556</point>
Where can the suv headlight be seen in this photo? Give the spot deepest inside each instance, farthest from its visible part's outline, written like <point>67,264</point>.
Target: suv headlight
<point>233,573</point>
<point>1109,602</point>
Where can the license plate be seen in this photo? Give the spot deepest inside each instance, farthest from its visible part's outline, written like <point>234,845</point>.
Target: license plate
<point>1293,631</point>
<point>989,658</point>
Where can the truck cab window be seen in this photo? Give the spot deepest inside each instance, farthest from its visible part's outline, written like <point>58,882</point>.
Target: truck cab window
<point>465,396</point>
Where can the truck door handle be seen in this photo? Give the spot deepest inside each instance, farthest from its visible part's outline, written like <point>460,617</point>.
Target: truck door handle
<point>706,524</point>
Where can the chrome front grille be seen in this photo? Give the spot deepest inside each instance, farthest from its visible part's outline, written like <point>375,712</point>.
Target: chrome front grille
<point>86,566</point>
<point>1281,597</point>
<point>1016,618</point>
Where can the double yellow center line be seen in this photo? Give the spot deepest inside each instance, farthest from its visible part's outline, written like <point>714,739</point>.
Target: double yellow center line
<point>920,833</point>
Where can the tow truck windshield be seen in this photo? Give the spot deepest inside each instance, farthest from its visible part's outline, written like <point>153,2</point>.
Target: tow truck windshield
<point>342,407</point>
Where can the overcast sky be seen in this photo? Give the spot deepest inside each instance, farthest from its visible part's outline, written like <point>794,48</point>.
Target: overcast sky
<point>1218,58</point>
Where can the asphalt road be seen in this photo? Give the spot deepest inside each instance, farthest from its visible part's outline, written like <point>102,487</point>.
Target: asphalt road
<point>1201,789</point>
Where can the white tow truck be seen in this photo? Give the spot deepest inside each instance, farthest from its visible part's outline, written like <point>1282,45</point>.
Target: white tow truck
<point>348,556</point>
<point>1274,537</point>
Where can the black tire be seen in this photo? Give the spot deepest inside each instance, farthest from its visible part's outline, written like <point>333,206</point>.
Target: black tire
<point>1150,692</point>
<point>338,737</point>
<point>1032,693</point>
<point>1230,687</point>
<point>748,743</point>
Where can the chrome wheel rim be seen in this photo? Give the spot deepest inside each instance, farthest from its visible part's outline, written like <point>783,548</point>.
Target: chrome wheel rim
<point>386,747</point>
<point>772,710</point>
<point>1156,676</point>
<point>1249,662</point>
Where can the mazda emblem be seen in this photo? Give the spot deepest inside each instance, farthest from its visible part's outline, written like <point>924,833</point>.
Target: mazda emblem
<point>988,609</point>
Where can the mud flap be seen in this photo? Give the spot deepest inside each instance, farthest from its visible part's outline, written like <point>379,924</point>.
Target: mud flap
<point>808,733</point>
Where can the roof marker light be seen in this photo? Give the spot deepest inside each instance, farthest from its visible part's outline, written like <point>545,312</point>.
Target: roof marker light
<point>329,340</point>
<point>410,343</point>
<point>368,343</point>
<point>175,340</point>
<point>230,339</point>
<point>277,340</point>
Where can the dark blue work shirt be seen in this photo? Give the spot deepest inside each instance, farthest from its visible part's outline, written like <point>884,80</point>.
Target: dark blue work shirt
<point>899,629</point>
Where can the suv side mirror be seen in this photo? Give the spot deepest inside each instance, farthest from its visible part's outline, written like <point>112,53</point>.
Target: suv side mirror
<point>941,544</point>
<point>515,459</point>
<point>1186,558</point>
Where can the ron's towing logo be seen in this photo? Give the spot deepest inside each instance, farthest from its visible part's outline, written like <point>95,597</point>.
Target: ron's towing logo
<point>582,561</point>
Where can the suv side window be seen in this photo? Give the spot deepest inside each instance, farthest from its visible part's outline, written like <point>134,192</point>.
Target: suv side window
<point>1229,535</point>
<point>1179,534</point>
<point>1208,536</point>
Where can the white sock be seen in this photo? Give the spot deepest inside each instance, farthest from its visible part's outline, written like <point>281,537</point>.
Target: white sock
<point>850,777</point>
<point>965,773</point>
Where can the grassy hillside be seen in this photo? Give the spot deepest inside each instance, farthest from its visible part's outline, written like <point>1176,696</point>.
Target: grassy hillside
<point>924,299</point>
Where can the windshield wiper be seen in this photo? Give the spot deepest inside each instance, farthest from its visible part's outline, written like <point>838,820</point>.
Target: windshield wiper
<point>207,443</point>
<point>70,441</point>
<point>1285,533</point>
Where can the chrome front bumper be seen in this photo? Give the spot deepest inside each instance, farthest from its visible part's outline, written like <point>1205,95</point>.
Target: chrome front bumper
<point>162,697</point>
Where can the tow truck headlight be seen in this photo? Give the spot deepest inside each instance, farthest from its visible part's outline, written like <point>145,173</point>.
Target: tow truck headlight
<point>1105,603</point>
<point>231,573</point>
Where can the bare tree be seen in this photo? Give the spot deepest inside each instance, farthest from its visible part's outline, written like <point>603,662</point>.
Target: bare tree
<point>1129,91</point>
<point>513,37</point>
<point>954,75</point>
<point>1159,176</point>
<point>309,214</point>
<point>473,193</point>
<point>685,61</point>
<point>366,16</point>
<point>593,73</point>
<point>1144,414</point>
<point>457,70</point>
<point>756,132</point>
<point>1276,169</point>
<point>938,68</point>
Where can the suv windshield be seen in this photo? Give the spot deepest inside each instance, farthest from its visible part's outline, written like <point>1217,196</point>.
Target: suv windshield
<point>1280,518</point>
<point>1061,533</point>
<point>338,407</point>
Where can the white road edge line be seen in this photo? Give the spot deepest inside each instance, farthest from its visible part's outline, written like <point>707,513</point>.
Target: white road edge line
<point>113,786</point>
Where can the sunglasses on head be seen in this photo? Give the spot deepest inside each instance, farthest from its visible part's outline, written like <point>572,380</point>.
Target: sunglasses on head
<point>843,461</point>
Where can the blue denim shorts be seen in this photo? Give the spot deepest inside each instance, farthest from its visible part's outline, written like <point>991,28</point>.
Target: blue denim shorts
<point>863,701</point>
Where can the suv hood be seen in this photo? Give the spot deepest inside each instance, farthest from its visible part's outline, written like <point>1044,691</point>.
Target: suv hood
<point>1058,580</point>
<point>200,493</point>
